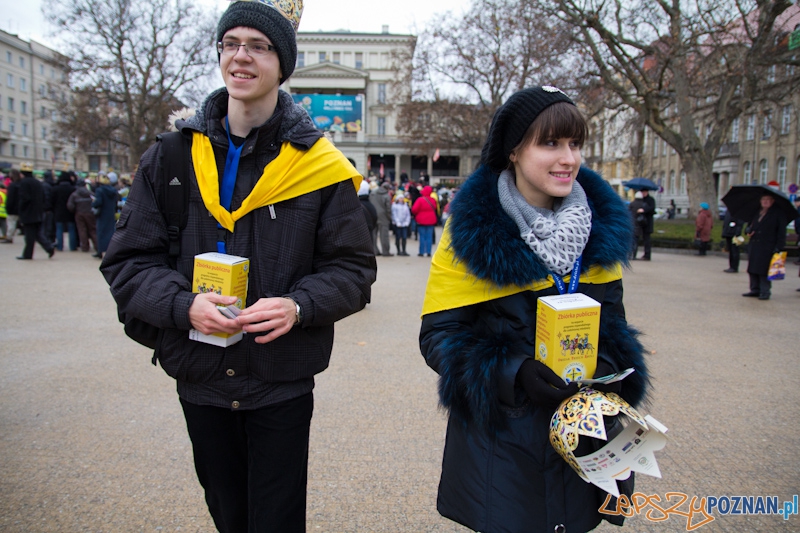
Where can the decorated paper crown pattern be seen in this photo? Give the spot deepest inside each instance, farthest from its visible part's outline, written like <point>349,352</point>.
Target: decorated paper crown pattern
<point>292,10</point>
<point>582,414</point>
<point>26,167</point>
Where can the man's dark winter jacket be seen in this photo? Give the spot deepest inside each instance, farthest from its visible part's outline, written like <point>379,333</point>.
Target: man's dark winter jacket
<point>31,200</point>
<point>500,472</point>
<point>80,201</point>
<point>314,249</point>
<point>61,193</point>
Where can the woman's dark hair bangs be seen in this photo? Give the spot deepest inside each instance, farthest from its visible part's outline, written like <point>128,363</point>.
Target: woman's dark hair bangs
<point>558,121</point>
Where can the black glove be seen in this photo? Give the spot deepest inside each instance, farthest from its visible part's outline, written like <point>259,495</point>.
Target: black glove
<point>542,385</point>
<point>604,369</point>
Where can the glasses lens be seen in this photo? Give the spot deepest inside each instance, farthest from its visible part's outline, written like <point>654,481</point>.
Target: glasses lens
<point>253,49</point>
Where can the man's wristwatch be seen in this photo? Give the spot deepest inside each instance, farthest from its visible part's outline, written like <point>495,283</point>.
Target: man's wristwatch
<point>298,313</point>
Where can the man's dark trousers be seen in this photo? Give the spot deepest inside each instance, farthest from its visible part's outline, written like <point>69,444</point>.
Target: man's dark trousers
<point>253,464</point>
<point>33,234</point>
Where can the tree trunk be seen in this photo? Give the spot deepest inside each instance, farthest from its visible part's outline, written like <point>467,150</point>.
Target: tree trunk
<point>700,185</point>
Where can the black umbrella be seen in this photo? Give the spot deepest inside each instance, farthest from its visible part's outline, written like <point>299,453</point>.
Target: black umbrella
<point>744,203</point>
<point>641,184</point>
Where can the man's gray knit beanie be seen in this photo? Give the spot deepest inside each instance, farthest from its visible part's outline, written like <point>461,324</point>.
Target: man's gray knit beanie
<point>268,21</point>
<point>511,121</point>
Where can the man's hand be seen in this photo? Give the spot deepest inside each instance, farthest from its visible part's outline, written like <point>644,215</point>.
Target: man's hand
<point>206,318</point>
<point>275,316</point>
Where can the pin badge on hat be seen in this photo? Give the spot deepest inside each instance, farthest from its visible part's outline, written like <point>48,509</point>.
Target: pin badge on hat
<point>551,89</point>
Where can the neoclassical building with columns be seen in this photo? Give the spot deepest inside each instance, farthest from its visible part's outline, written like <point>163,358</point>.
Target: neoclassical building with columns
<point>348,82</point>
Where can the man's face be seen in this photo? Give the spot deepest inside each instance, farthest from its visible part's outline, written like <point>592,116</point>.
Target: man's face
<point>251,79</point>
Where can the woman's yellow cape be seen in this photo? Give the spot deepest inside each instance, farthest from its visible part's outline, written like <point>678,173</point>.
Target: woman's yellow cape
<point>293,173</point>
<point>451,285</point>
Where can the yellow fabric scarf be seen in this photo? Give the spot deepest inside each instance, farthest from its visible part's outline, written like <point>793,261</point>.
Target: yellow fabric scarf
<point>293,173</point>
<point>451,285</point>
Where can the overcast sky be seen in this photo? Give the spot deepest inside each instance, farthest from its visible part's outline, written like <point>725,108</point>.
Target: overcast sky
<point>24,17</point>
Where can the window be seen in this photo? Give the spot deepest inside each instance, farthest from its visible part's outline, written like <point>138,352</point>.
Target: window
<point>13,150</point>
<point>44,153</point>
<point>786,119</point>
<point>672,182</point>
<point>43,112</point>
<point>337,58</point>
<point>359,60</point>
<point>735,130</point>
<point>746,175</point>
<point>709,129</point>
<point>8,57</point>
<point>766,128</point>
<point>771,74</point>
<point>751,128</point>
<point>10,104</point>
<point>782,172</point>
<point>323,57</point>
<point>655,146</point>
<point>25,151</point>
<point>23,84</point>
<point>42,90</point>
<point>25,129</point>
<point>381,93</point>
<point>662,179</point>
<point>381,126</point>
<point>41,69</point>
<point>663,148</point>
<point>301,59</point>
<point>10,80</point>
<point>23,107</point>
<point>12,126</point>
<point>763,172</point>
<point>683,182</point>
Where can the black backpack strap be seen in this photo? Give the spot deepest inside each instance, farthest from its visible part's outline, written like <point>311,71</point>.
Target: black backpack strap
<point>174,170</point>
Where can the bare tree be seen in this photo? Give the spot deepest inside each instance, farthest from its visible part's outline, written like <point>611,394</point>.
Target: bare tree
<point>687,69</point>
<point>135,57</point>
<point>464,67</point>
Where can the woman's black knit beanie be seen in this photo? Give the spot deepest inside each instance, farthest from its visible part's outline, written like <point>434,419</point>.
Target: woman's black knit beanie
<point>512,120</point>
<point>268,21</point>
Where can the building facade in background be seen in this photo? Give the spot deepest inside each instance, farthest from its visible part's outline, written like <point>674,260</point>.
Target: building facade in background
<point>763,146</point>
<point>352,84</point>
<point>34,85</point>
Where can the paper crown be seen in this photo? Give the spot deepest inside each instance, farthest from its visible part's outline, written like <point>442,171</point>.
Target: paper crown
<point>292,10</point>
<point>26,167</point>
<point>630,450</point>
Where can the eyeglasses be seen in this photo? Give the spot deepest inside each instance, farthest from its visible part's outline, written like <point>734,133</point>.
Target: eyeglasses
<point>229,48</point>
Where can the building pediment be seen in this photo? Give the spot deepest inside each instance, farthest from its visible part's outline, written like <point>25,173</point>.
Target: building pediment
<point>328,70</point>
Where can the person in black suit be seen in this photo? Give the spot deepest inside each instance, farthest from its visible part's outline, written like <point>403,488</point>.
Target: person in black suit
<point>31,214</point>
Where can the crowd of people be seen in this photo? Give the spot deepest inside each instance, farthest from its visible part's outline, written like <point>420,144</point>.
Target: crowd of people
<point>43,210</point>
<point>408,209</point>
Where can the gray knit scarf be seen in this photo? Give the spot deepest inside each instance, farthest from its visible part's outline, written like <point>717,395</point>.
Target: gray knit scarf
<point>557,237</point>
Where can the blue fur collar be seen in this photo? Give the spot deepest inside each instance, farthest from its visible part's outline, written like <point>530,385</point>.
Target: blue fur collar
<point>488,240</point>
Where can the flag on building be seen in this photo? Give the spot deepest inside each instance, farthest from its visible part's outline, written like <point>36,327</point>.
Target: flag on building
<point>436,155</point>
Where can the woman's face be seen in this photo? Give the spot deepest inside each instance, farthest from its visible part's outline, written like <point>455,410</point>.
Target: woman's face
<point>546,169</point>
<point>767,201</point>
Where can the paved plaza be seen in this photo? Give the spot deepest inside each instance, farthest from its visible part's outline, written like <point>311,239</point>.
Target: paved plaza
<point>92,438</point>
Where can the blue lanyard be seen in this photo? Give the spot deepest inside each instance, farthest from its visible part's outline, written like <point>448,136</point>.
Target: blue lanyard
<point>228,180</point>
<point>573,281</point>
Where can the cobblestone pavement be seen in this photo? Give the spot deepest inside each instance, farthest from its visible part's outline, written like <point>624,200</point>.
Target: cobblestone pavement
<point>92,437</point>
